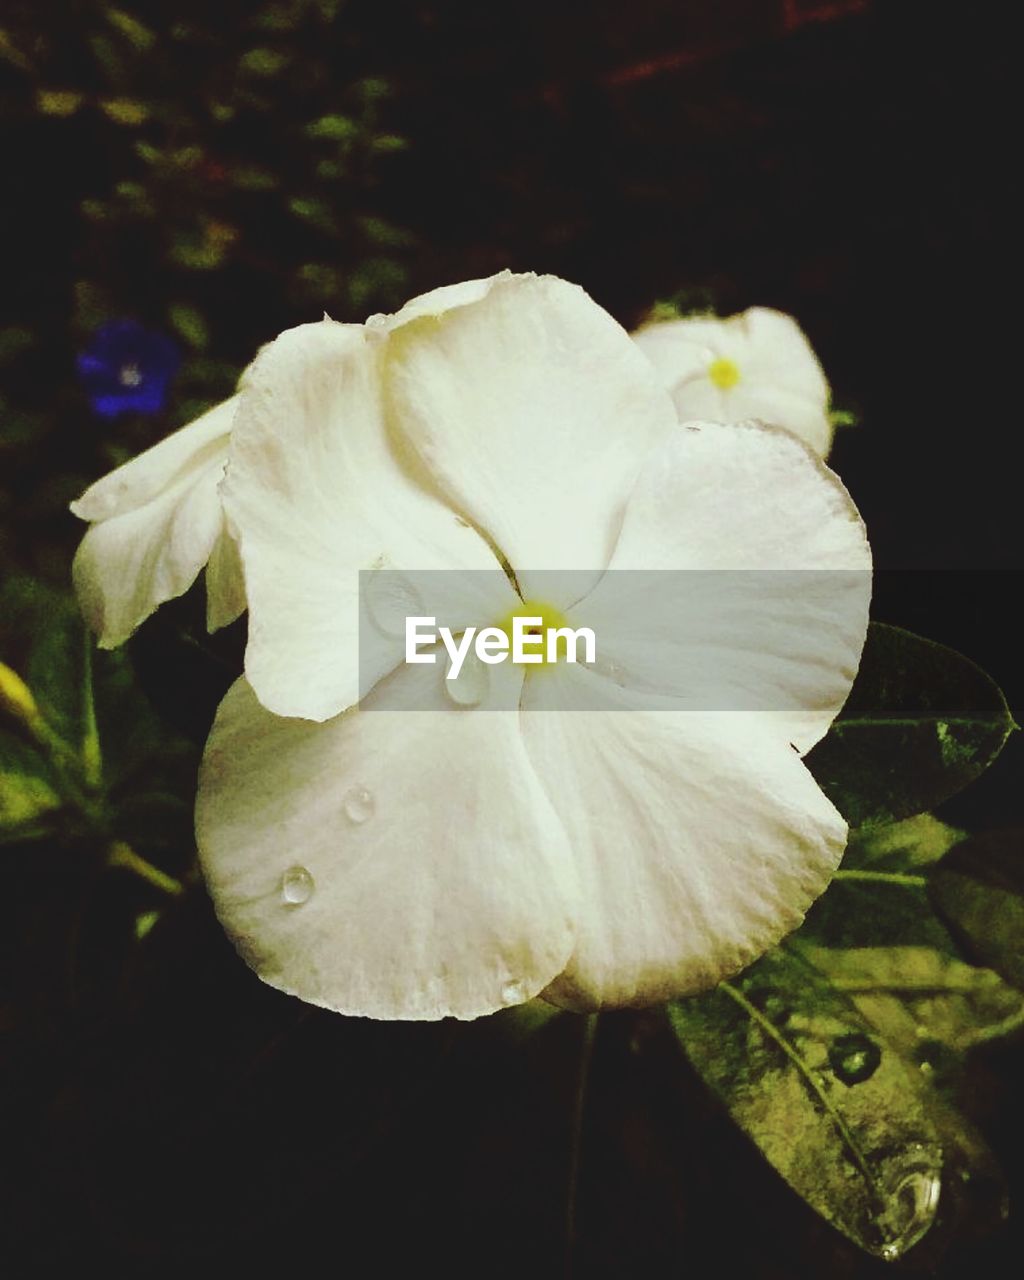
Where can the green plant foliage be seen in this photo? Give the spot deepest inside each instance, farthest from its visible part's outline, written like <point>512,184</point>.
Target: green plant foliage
<point>27,791</point>
<point>837,1110</point>
<point>921,722</point>
<point>217,152</point>
<point>979,890</point>
<point>95,766</point>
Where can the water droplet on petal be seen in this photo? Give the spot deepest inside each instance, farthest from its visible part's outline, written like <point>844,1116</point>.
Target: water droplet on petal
<point>359,805</point>
<point>854,1058</point>
<point>390,598</point>
<point>911,1187</point>
<point>297,886</point>
<point>513,992</point>
<point>472,683</point>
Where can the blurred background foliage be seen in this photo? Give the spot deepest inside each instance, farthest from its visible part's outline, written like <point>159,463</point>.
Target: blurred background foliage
<point>204,176</point>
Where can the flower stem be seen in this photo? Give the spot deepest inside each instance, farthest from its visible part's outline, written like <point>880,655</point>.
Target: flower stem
<point>123,855</point>
<point>92,756</point>
<point>883,877</point>
<point>576,1137</point>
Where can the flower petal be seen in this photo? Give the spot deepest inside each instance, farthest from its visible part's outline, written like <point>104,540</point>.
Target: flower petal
<point>225,582</point>
<point>185,452</point>
<point>780,380</point>
<point>389,864</point>
<point>700,839</point>
<point>133,561</point>
<point>507,398</point>
<point>767,606</point>
<point>316,492</point>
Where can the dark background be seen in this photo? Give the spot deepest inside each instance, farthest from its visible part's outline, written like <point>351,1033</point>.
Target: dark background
<point>852,164</point>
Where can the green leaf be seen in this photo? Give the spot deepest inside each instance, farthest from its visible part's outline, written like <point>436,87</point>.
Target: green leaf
<point>336,128</point>
<point>189,322</point>
<point>126,111</point>
<point>908,845</point>
<point>27,790</point>
<point>263,62</point>
<point>136,32</point>
<point>927,1004</point>
<point>317,213</point>
<point>836,1112</point>
<point>252,177</point>
<point>979,890</point>
<point>58,102</point>
<point>379,232</point>
<point>921,722</point>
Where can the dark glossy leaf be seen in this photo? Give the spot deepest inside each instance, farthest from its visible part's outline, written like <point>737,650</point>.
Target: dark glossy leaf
<point>921,722</point>
<point>852,913</point>
<point>836,1111</point>
<point>979,890</point>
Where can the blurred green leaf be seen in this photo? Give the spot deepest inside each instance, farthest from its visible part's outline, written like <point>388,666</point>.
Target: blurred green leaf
<point>373,88</point>
<point>10,53</point>
<point>58,102</point>
<point>377,282</point>
<point>263,62</point>
<point>136,32</point>
<point>188,322</point>
<point>979,890</point>
<point>379,232</point>
<point>126,111</point>
<point>252,177</point>
<point>921,722</point>
<point>388,143</point>
<point>317,213</point>
<point>337,128</point>
<point>837,1113</point>
<point>27,787</point>
<point>197,255</point>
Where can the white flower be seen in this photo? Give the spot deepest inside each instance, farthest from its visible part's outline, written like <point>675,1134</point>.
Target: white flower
<point>757,364</point>
<point>418,863</point>
<point>155,522</point>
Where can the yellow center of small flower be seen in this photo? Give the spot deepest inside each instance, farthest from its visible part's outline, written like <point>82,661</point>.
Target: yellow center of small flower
<point>550,618</point>
<point>723,373</point>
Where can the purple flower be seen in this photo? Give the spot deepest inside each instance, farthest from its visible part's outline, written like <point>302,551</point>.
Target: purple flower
<point>127,369</point>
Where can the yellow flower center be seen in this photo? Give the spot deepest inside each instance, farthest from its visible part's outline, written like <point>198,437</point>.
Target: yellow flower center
<point>550,618</point>
<point>723,373</point>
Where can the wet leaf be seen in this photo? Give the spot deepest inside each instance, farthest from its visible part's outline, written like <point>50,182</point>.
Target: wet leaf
<point>921,722</point>
<point>979,891</point>
<point>923,1001</point>
<point>835,1111</point>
